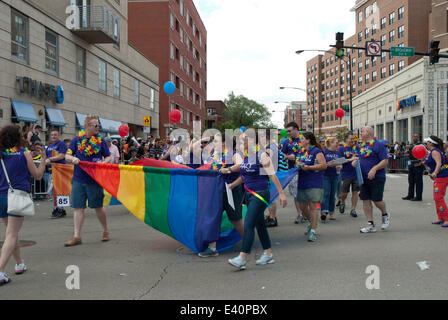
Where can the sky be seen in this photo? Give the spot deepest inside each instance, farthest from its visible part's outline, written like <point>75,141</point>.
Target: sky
<point>251,45</point>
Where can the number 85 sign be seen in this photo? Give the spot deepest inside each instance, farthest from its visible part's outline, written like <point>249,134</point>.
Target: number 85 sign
<point>63,201</point>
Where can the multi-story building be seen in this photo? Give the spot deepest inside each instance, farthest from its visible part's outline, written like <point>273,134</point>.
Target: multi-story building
<point>401,23</point>
<point>56,68</point>
<point>172,34</point>
<point>215,111</point>
<point>296,112</point>
<point>438,23</point>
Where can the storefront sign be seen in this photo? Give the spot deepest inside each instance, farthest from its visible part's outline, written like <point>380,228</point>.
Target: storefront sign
<point>409,102</point>
<point>40,89</point>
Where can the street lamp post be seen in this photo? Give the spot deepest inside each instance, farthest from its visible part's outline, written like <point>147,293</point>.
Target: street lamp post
<point>351,80</point>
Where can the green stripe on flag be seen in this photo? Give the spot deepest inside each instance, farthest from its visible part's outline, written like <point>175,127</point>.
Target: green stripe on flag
<point>157,190</point>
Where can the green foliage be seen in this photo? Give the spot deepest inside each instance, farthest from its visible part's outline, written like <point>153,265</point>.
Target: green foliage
<point>340,132</point>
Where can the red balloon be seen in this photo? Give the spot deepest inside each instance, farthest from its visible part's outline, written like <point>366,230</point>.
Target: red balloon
<point>340,113</point>
<point>123,130</point>
<point>175,116</point>
<point>419,152</point>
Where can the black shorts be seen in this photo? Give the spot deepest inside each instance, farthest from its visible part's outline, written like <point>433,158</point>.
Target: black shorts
<point>346,183</point>
<point>373,189</point>
<point>238,194</point>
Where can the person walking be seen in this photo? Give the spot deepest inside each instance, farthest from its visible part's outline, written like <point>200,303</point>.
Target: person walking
<point>257,195</point>
<point>331,180</point>
<point>87,146</point>
<point>415,174</point>
<point>438,165</point>
<point>19,167</point>
<point>55,154</point>
<point>373,160</point>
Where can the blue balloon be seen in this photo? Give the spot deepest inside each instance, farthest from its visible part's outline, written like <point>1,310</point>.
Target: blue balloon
<point>242,129</point>
<point>169,87</point>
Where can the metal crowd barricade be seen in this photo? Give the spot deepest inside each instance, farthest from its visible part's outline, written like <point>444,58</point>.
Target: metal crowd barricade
<point>398,164</point>
<point>41,189</point>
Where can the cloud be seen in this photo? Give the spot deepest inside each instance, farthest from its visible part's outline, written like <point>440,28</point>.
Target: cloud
<point>251,44</point>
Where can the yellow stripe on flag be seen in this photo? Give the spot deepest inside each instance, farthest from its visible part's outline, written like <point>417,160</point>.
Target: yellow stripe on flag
<point>131,191</point>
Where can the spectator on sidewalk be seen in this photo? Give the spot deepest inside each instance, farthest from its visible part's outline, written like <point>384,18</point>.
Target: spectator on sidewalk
<point>415,175</point>
<point>114,153</point>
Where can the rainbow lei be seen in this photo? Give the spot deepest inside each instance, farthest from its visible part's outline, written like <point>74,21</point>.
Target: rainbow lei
<point>303,154</point>
<point>294,148</point>
<point>367,148</point>
<point>14,150</point>
<point>349,152</point>
<point>89,147</point>
<point>254,151</point>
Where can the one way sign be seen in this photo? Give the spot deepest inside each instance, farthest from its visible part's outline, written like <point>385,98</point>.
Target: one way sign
<point>147,121</point>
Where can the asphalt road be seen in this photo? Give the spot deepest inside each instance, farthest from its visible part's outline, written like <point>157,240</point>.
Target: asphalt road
<point>141,263</point>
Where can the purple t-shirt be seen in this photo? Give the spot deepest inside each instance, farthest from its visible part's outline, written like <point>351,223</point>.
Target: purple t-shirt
<point>379,154</point>
<point>311,179</point>
<point>431,163</point>
<point>18,173</point>
<point>348,171</point>
<point>80,175</point>
<point>250,171</point>
<point>330,156</point>
<point>56,149</point>
<point>287,149</point>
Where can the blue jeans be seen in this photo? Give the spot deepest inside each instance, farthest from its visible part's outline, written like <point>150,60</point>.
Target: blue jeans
<point>339,188</point>
<point>330,189</point>
<point>255,219</point>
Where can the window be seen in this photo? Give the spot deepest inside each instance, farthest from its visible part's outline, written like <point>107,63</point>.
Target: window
<point>383,40</point>
<point>374,76</point>
<point>19,36</point>
<point>360,67</point>
<point>181,35</point>
<point>51,51</point>
<point>400,13</point>
<point>383,72</point>
<point>360,54</point>
<point>374,28</point>
<point>383,23</point>
<point>400,65</point>
<point>336,70</point>
<point>136,92</point>
<point>181,6</point>
<point>172,51</point>
<point>359,16</point>
<point>367,78</point>
<point>353,62</point>
<point>102,76</point>
<point>391,69</point>
<point>401,32</point>
<point>367,32</point>
<point>152,99</point>
<point>391,18</point>
<point>367,11</point>
<point>360,37</point>
<point>80,65</point>
<point>172,21</point>
<point>360,81</point>
<point>181,62</point>
<point>116,83</point>
<point>342,92</point>
<point>367,64</point>
<point>383,57</point>
<point>374,61</point>
<point>392,36</point>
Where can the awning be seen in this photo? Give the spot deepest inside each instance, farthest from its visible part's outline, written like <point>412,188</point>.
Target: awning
<point>110,126</point>
<point>23,111</point>
<point>55,117</point>
<point>80,118</point>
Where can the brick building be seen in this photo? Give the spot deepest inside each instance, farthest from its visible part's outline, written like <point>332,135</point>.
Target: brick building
<point>215,110</point>
<point>172,34</point>
<point>393,23</point>
<point>296,112</point>
<point>438,23</point>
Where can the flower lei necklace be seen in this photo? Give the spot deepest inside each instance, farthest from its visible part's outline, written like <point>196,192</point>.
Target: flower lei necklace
<point>349,153</point>
<point>223,160</point>
<point>89,147</point>
<point>294,148</point>
<point>367,148</point>
<point>14,150</point>
<point>254,151</point>
<point>303,154</point>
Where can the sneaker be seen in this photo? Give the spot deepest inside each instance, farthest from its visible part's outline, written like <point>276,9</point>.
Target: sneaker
<point>237,262</point>
<point>353,214</point>
<point>308,229</point>
<point>209,252</point>
<point>338,204</point>
<point>342,208</point>
<point>369,229</point>
<point>20,268</point>
<point>386,222</point>
<point>62,212</point>
<point>300,220</point>
<point>265,259</point>
<point>270,223</point>
<point>323,217</point>
<point>4,279</point>
<point>54,213</point>
<point>312,236</point>
<point>332,217</point>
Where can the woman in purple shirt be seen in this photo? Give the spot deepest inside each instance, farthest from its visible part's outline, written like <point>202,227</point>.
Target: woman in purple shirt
<point>311,181</point>
<point>438,166</point>
<point>256,169</point>
<point>331,179</point>
<point>20,167</point>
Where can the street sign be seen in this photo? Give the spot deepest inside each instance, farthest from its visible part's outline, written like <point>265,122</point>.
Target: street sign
<point>373,49</point>
<point>402,52</point>
<point>147,121</point>
<point>146,130</point>
<point>356,137</point>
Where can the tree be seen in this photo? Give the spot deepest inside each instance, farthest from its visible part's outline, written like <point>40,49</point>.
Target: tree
<point>242,111</point>
<point>340,132</point>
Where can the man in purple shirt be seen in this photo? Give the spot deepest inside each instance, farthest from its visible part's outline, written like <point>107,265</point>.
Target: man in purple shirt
<point>55,154</point>
<point>373,161</point>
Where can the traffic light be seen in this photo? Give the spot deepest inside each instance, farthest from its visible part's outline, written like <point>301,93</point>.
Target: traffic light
<point>340,45</point>
<point>434,51</point>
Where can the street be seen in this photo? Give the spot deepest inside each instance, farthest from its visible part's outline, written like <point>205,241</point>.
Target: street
<point>141,263</point>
